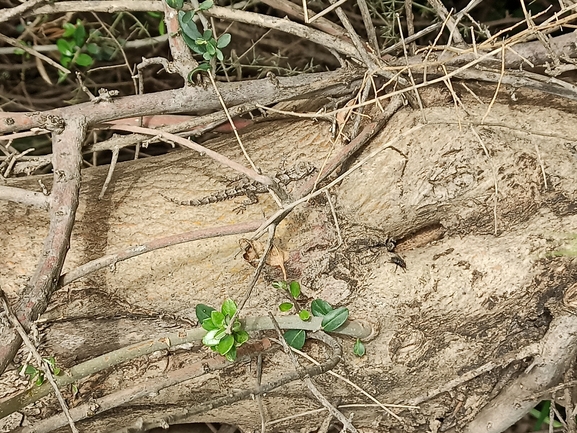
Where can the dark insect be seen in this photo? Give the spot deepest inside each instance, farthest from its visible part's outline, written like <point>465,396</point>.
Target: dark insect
<point>398,260</point>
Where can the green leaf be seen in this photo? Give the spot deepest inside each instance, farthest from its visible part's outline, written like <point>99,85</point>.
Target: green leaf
<point>68,30</point>
<point>295,338</point>
<point>202,67</point>
<point>210,338</point>
<point>203,312</point>
<point>30,370</point>
<point>228,308</point>
<point>65,48</point>
<point>285,306</point>
<point>56,371</point>
<point>84,60</point>
<point>18,51</point>
<point>211,48</point>
<point>192,44</point>
<point>304,315</point>
<point>281,285</point>
<point>188,26</point>
<point>217,318</point>
<point>224,40</point>
<point>93,48</point>
<point>62,75</point>
<point>40,378</point>
<point>241,337</point>
<point>206,56</point>
<point>319,308</point>
<point>80,35</point>
<point>65,61</point>
<point>219,55</point>
<point>185,17</point>
<point>225,344</point>
<point>359,348</point>
<point>161,28</point>
<point>334,319</point>
<point>175,4</point>
<point>207,35</point>
<point>207,4</point>
<point>237,326</point>
<point>231,354</point>
<point>295,289</point>
<point>209,325</point>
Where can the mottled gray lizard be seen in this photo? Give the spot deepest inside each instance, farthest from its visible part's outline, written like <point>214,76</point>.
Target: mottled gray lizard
<point>250,188</point>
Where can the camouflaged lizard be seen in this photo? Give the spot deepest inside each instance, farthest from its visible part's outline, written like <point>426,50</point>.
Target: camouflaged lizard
<point>250,188</point>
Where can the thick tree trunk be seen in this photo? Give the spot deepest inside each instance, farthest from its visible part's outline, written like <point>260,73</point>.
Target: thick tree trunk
<point>483,212</point>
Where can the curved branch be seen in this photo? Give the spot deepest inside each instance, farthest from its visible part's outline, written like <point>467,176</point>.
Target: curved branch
<point>67,161</point>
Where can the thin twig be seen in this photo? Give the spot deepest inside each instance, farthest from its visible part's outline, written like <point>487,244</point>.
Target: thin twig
<point>309,383</point>
<point>167,136</point>
<point>258,270</point>
<point>44,366</point>
<point>155,244</point>
<point>111,168</point>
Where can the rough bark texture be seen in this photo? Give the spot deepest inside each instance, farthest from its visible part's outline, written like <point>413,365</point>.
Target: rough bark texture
<point>467,297</point>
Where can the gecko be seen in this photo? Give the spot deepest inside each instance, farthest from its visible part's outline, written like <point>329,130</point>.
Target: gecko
<point>250,188</point>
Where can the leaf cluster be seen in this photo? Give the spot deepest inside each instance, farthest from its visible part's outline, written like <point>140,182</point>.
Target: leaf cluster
<point>36,375</point>
<point>204,44</point>
<point>218,337</point>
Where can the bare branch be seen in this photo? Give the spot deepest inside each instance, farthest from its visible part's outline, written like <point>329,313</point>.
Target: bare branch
<point>67,160</point>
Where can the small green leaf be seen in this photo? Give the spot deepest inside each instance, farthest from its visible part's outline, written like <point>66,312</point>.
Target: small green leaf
<point>334,319</point>
<point>281,285</point>
<point>225,344</point>
<point>219,55</point>
<point>207,4</point>
<point>62,75</point>
<point>228,308</point>
<point>18,51</point>
<point>210,338</point>
<point>359,348</point>
<point>175,4</point>
<point>209,325</point>
<point>203,67</point>
<point>211,48</point>
<point>203,312</point>
<point>185,17</point>
<point>56,371</point>
<point>224,40</point>
<point>93,48</point>
<point>207,35</point>
<point>161,28</point>
<point>217,318</point>
<point>65,48</point>
<point>68,30</point>
<point>319,308</point>
<point>84,60</point>
<point>30,370</point>
<point>65,61</point>
<point>295,338</point>
<point>241,337</point>
<point>231,354</point>
<point>285,306</point>
<point>304,315</point>
<point>295,289</point>
<point>40,378</point>
<point>237,326</point>
<point>80,35</point>
<point>206,56</point>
